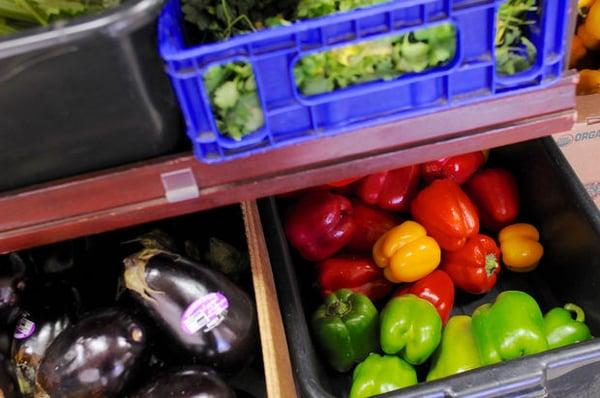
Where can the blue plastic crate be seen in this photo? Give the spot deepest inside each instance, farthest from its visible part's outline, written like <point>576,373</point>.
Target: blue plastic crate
<point>290,117</point>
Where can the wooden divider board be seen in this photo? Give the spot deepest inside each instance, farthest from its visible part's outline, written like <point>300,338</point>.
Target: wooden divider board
<point>278,369</point>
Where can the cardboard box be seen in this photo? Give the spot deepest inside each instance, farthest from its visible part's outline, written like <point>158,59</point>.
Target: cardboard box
<point>581,146</point>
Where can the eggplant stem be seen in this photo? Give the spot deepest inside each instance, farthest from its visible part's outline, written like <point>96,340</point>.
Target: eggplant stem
<point>135,273</point>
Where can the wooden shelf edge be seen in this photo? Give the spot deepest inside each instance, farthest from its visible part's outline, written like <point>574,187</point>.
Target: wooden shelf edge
<point>134,194</point>
<point>278,369</point>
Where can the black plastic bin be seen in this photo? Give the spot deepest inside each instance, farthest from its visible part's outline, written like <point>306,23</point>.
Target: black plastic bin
<point>555,201</point>
<point>94,265</point>
<point>84,95</point>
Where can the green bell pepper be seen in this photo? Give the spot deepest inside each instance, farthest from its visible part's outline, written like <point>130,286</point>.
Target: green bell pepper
<point>380,374</point>
<point>346,328</point>
<point>411,327</point>
<point>510,328</point>
<point>457,352</point>
<point>561,329</point>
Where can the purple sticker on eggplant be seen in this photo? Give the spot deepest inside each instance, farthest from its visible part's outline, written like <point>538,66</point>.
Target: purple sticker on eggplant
<point>205,314</point>
<point>24,329</point>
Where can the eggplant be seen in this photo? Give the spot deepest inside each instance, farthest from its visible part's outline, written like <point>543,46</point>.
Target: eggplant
<point>188,382</point>
<point>156,239</point>
<point>48,309</point>
<point>7,382</point>
<point>56,259</point>
<point>94,358</point>
<point>219,255</point>
<point>31,340</point>
<point>12,284</point>
<point>198,310</point>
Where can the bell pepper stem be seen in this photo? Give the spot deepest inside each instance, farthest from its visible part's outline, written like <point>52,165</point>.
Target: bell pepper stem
<point>490,264</point>
<point>577,310</point>
<point>338,308</point>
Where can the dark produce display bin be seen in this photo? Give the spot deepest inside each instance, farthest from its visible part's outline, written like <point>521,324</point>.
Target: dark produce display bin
<point>554,200</point>
<point>84,95</point>
<point>93,266</point>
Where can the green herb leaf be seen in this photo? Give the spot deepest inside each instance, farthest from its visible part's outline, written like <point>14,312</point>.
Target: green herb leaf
<point>234,98</point>
<point>319,8</point>
<point>380,59</point>
<point>226,95</point>
<point>213,78</point>
<point>23,14</point>
<point>514,51</point>
<point>317,85</point>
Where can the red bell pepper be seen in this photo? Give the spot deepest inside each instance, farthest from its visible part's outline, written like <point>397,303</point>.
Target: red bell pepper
<point>437,288</point>
<point>475,267</point>
<point>371,223</point>
<point>359,274</point>
<point>343,183</point>
<point>447,214</point>
<point>458,168</point>
<point>496,195</point>
<point>320,224</point>
<point>391,190</point>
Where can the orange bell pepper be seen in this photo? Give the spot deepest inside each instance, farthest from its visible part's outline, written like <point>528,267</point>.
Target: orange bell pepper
<point>578,51</point>
<point>520,247</point>
<point>588,40</point>
<point>589,82</point>
<point>406,253</point>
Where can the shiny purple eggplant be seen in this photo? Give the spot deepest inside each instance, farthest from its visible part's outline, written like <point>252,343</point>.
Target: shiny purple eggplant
<point>8,388</point>
<point>189,382</point>
<point>197,309</point>
<point>12,285</point>
<point>48,308</point>
<point>95,358</point>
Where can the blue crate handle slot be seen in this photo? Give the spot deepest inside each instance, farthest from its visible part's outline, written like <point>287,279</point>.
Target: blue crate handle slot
<point>551,23</point>
<point>374,86</point>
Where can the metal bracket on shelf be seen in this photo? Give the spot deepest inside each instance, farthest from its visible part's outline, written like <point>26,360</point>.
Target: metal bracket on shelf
<point>180,185</point>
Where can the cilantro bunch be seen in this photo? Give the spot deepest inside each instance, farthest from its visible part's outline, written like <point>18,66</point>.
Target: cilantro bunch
<point>16,15</point>
<point>319,8</point>
<point>380,59</point>
<point>234,99</point>
<point>221,19</point>
<point>514,51</point>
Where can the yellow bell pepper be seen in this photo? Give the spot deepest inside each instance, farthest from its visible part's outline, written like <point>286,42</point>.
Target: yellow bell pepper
<point>406,253</point>
<point>578,51</point>
<point>520,247</point>
<point>589,82</point>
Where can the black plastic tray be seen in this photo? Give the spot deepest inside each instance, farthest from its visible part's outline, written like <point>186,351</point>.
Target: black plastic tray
<point>569,222</point>
<point>84,95</point>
